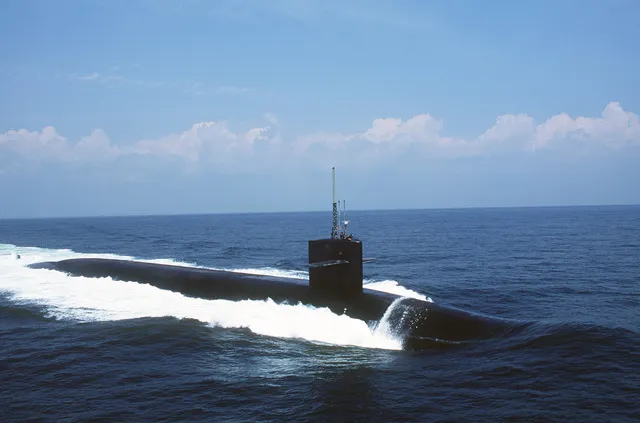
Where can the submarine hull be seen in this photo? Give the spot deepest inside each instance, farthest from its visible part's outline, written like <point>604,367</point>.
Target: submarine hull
<point>415,321</point>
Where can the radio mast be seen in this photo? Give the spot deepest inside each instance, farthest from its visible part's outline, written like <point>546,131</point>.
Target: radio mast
<point>345,221</point>
<point>336,225</point>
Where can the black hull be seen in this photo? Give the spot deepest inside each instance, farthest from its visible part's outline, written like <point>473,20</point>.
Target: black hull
<point>416,322</point>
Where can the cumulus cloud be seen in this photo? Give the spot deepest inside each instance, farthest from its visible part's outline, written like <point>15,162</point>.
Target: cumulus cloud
<point>615,128</point>
<point>46,144</point>
<point>49,146</point>
<point>509,128</point>
<point>95,146</point>
<point>421,136</point>
<point>420,128</point>
<point>212,139</point>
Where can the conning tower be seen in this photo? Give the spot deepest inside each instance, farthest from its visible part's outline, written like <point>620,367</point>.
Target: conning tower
<point>335,263</point>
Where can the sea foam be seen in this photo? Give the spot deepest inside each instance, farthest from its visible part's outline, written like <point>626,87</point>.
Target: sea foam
<point>102,299</point>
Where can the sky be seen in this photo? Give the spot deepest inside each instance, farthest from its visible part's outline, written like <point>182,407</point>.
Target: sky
<point>170,107</point>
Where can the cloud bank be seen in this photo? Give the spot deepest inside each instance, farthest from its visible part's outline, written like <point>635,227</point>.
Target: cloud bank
<point>217,144</point>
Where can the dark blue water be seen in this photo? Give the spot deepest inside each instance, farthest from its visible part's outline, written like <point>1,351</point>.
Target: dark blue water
<point>573,273</point>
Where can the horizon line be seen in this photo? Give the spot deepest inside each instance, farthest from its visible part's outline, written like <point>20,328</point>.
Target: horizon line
<point>237,213</point>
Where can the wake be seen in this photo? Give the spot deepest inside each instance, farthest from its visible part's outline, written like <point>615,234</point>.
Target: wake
<point>84,299</point>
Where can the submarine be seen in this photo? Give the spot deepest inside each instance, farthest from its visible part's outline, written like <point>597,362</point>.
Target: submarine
<point>335,281</point>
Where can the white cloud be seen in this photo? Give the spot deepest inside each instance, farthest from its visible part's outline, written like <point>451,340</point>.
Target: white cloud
<point>509,128</point>
<point>49,146</point>
<point>45,145</point>
<point>212,140</point>
<point>614,128</point>
<point>95,147</point>
<point>90,77</point>
<point>418,128</point>
<point>195,88</point>
<point>421,136</point>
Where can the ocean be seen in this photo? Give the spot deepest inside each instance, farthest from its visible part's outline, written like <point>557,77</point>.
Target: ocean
<point>77,349</point>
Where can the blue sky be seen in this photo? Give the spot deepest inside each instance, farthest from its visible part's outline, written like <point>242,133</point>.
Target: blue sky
<point>159,106</point>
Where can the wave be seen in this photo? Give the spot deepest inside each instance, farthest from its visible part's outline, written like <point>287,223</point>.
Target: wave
<point>393,287</point>
<point>103,299</point>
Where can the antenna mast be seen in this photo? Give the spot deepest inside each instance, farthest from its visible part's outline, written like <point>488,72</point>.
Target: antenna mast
<point>346,222</point>
<point>335,226</point>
